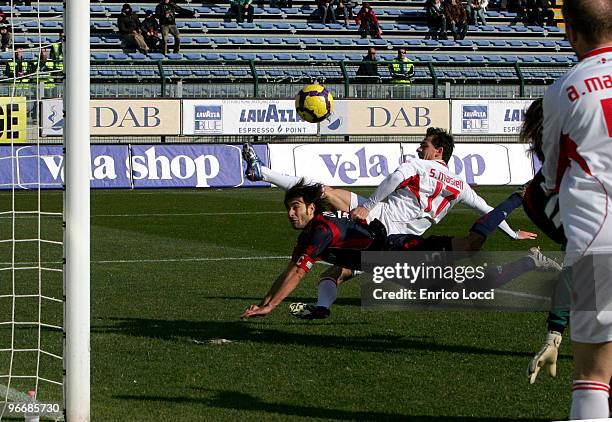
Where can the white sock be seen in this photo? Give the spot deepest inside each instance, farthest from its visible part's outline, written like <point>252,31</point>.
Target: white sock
<point>327,292</point>
<point>281,180</point>
<point>590,400</point>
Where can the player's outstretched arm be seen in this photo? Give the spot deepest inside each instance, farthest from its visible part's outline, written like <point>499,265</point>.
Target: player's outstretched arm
<point>470,198</point>
<point>546,357</point>
<point>282,287</point>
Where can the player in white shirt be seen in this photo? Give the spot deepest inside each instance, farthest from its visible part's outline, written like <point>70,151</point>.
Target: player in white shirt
<point>577,145</point>
<point>427,178</point>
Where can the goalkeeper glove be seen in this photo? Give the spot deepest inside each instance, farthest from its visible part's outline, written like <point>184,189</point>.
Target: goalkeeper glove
<point>546,357</point>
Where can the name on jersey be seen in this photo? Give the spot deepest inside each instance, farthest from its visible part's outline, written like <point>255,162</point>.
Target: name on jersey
<point>592,84</point>
<point>445,178</point>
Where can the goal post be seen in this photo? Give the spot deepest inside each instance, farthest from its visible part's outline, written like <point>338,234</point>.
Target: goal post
<point>77,212</point>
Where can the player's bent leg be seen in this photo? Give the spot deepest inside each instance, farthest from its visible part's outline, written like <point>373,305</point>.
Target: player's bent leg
<point>327,290</point>
<point>592,373</point>
<point>340,199</point>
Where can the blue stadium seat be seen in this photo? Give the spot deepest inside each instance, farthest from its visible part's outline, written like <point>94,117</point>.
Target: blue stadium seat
<point>237,40</point>
<point>291,11</point>
<point>344,41</point>
<point>256,41</point>
<point>493,59</point>
<point>300,26</point>
<point>544,59</point>
<point>100,56</point>
<point>292,41</point>
<point>283,26</point>
<point>126,72</point>
<point>192,56</point>
<point>211,25</point>
<point>229,25</point>
<point>118,56</point>
<point>274,41</point>
<point>137,56</point>
<point>211,56</point>
<point>107,73</point>
<point>283,56</point>
<point>498,43</point>
<point>43,8</point>
<point>147,73</point>
<point>459,58</point>
<point>194,25</point>
<point>309,41</point>
<point>156,56</point>
<point>50,24</point>
<point>247,56</point>
<point>229,56</point>
<point>520,29</point>
<point>174,56</point>
<point>318,56</point>
<point>300,56</point>
<point>265,56</point>
<point>266,26</point>
<point>202,73</point>
<point>219,40</point>
<point>202,40</point>
<point>327,41</point>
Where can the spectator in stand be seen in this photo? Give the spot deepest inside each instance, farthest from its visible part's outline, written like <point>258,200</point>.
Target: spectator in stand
<point>166,13</point>
<point>17,68</point>
<point>540,12</point>
<point>151,30</point>
<point>368,69</point>
<point>401,68</point>
<point>129,30</point>
<point>368,22</point>
<point>456,18</point>
<point>326,10</point>
<point>242,9</point>
<point>520,8</point>
<point>281,3</point>
<point>5,33</point>
<point>476,9</point>
<point>436,19</point>
<point>345,11</point>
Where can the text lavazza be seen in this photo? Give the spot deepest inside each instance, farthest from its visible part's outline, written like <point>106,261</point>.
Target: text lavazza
<point>424,294</point>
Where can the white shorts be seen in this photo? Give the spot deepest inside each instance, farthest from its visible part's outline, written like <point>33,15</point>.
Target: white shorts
<point>588,228</point>
<point>378,213</point>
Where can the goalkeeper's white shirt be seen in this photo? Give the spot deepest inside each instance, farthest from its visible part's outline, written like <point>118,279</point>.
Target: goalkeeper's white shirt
<point>420,193</point>
<point>577,144</point>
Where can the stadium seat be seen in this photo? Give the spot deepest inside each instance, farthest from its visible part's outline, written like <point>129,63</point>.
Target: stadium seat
<point>156,56</point>
<point>229,56</point>
<point>211,56</point>
<point>100,56</point>
<point>192,56</point>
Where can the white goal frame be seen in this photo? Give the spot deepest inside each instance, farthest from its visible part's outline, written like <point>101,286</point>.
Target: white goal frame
<point>77,154</point>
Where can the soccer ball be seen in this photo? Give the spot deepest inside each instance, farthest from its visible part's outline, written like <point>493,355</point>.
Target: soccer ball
<point>314,103</point>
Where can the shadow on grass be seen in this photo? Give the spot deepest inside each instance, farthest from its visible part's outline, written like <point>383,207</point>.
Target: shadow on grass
<point>341,301</point>
<point>233,400</point>
<point>203,331</point>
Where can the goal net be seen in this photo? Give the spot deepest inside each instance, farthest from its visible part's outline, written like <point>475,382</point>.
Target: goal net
<point>35,227</point>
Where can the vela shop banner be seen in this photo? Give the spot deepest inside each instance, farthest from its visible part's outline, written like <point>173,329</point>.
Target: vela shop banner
<point>244,117</point>
<point>487,164</point>
<point>200,166</point>
<point>492,117</point>
<point>368,164</point>
<point>118,117</point>
<point>109,166</point>
<point>386,117</point>
<point>150,166</point>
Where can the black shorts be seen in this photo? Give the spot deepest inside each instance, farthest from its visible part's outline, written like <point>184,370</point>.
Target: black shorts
<point>413,242</point>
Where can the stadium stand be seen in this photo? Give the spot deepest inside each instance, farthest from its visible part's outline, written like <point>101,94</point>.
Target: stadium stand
<point>300,48</point>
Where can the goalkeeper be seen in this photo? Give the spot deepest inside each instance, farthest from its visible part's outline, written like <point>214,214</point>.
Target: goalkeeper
<point>543,211</point>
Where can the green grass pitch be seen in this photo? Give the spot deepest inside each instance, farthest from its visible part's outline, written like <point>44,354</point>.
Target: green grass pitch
<point>172,270</point>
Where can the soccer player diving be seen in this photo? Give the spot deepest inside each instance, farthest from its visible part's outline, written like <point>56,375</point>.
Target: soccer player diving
<point>410,200</point>
<point>340,240</point>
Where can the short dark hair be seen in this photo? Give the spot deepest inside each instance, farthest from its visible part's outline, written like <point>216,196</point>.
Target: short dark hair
<point>310,194</point>
<point>531,131</point>
<point>441,138</point>
<point>591,18</point>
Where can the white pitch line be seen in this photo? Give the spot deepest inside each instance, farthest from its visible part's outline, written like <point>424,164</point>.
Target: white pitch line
<point>235,258</point>
<point>519,294</point>
<point>162,214</point>
<point>135,261</point>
